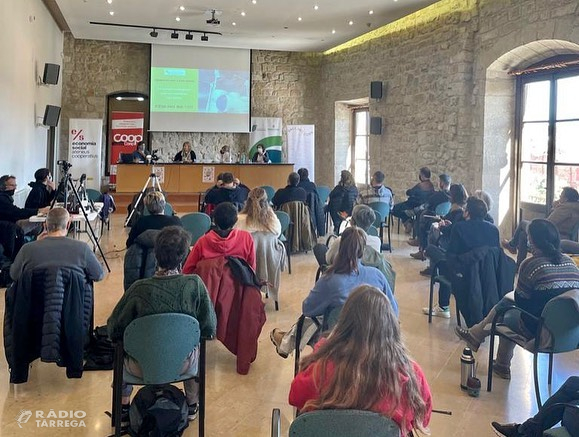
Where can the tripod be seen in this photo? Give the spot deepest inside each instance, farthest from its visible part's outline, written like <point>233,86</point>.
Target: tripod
<point>155,184</point>
<point>63,188</point>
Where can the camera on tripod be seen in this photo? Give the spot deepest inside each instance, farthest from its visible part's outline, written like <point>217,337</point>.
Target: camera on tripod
<point>64,164</point>
<point>153,157</point>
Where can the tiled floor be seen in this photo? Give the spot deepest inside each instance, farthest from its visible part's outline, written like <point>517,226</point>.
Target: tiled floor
<point>241,405</point>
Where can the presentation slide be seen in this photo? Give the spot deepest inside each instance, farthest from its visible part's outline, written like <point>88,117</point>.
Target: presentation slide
<point>198,89</point>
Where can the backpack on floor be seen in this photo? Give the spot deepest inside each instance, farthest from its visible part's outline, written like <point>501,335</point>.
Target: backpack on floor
<point>158,411</point>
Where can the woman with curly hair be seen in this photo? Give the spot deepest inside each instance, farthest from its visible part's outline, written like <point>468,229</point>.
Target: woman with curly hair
<point>257,215</point>
<point>363,365</point>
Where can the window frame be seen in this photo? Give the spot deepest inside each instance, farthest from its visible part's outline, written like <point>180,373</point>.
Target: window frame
<point>353,136</point>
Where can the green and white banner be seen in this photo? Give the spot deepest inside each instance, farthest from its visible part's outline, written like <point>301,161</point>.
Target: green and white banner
<point>266,131</point>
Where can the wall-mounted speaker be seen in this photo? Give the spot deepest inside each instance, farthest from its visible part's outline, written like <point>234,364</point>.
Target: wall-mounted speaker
<point>51,115</point>
<point>50,74</point>
<point>376,125</point>
<point>376,90</point>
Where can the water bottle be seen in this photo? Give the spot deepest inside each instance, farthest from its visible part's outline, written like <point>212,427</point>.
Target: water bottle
<point>467,367</point>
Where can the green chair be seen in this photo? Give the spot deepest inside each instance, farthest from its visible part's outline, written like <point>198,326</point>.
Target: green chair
<point>442,209</point>
<point>159,343</point>
<point>197,224</point>
<point>286,236</point>
<point>373,231</point>
<point>383,209</point>
<point>343,423</point>
<point>93,195</point>
<point>168,210</point>
<point>559,323</point>
<point>269,190</point>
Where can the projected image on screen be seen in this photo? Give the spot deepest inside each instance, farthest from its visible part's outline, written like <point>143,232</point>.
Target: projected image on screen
<point>187,95</point>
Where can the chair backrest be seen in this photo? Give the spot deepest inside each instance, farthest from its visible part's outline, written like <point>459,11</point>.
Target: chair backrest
<point>561,319</point>
<point>383,208</point>
<point>269,190</point>
<point>284,220</point>
<point>197,224</point>
<point>373,231</point>
<point>323,193</point>
<point>442,208</point>
<point>160,343</point>
<point>93,195</point>
<point>378,220</point>
<point>343,423</point>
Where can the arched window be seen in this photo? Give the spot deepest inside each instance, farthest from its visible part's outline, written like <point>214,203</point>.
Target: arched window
<point>547,119</point>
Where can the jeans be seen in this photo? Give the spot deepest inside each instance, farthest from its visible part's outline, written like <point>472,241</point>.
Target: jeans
<point>399,208</point>
<point>568,393</point>
<point>436,256</point>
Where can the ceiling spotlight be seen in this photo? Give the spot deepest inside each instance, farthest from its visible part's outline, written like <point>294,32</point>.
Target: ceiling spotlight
<point>350,22</point>
<point>370,12</point>
<point>316,7</point>
<point>154,33</point>
<point>189,36</point>
<point>177,18</point>
<point>174,35</point>
<point>119,98</point>
<point>110,2</point>
<point>234,24</point>
<point>112,13</point>
<point>181,8</point>
<point>254,1</point>
<point>299,18</point>
<point>204,38</point>
<point>333,31</point>
<point>243,13</point>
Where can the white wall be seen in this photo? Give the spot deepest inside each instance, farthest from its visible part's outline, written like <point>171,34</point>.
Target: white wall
<point>30,37</point>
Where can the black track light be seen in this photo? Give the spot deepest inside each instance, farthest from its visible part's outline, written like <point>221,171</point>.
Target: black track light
<point>204,38</point>
<point>154,33</point>
<point>189,36</point>
<point>174,35</point>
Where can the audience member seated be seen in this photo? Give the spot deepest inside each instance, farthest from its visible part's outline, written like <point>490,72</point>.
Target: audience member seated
<point>376,191</point>
<point>363,217</point>
<point>439,232</point>
<point>333,288</point>
<point>222,240</point>
<point>257,215</point>
<point>155,203</point>
<point>341,199</point>
<point>42,190</point>
<point>185,154</point>
<point>417,195</point>
<point>564,215</point>
<point>11,213</point>
<point>227,191</point>
<point>260,156</point>
<point>140,154</point>
<point>466,235</point>
<point>63,269</point>
<point>486,198</point>
<point>547,274</point>
<point>548,416</point>
<point>305,182</point>
<point>169,291</point>
<point>364,365</point>
<point>291,193</point>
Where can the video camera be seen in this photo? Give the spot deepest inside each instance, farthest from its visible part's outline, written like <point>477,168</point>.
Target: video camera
<point>64,164</point>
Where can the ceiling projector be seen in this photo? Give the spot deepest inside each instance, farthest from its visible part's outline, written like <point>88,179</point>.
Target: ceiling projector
<point>213,21</point>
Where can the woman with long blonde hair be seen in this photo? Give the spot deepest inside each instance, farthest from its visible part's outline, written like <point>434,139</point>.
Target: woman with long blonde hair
<point>363,365</point>
<point>257,215</point>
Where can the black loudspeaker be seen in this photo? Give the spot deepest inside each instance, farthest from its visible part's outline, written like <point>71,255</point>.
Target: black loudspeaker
<point>376,125</point>
<point>50,75</point>
<point>51,115</point>
<point>376,90</point>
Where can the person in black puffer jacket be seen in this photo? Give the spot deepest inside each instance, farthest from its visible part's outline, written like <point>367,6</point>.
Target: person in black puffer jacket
<point>140,258</point>
<point>342,199</point>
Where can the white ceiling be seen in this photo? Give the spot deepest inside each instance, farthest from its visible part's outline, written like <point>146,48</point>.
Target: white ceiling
<point>267,24</point>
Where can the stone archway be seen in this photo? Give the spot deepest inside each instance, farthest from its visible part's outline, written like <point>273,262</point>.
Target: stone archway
<point>499,123</point>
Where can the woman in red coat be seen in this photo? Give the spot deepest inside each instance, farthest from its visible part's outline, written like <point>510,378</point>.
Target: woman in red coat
<point>363,365</point>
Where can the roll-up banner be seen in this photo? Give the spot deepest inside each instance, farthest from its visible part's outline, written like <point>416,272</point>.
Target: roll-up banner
<point>266,131</point>
<point>84,150</point>
<point>301,147</point>
<point>126,132</point>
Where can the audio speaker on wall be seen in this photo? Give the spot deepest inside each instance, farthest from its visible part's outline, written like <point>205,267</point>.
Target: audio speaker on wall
<point>51,115</point>
<point>376,125</point>
<point>50,74</point>
<point>376,90</point>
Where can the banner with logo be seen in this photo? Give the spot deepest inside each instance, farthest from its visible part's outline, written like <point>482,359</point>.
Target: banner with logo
<point>84,150</point>
<point>301,147</point>
<point>126,132</point>
<point>266,131</point>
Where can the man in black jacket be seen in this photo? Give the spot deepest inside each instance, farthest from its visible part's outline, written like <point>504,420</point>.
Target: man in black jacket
<point>305,182</point>
<point>10,212</point>
<point>290,193</point>
<point>228,191</point>
<point>42,190</point>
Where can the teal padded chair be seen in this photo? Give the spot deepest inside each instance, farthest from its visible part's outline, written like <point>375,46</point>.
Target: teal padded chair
<point>343,423</point>
<point>383,209</point>
<point>94,195</point>
<point>286,235</point>
<point>373,231</point>
<point>559,322</point>
<point>442,209</point>
<point>269,190</point>
<point>159,343</point>
<point>197,224</point>
<point>324,194</point>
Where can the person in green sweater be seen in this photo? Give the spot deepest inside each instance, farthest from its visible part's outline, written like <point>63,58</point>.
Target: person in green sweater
<point>168,291</point>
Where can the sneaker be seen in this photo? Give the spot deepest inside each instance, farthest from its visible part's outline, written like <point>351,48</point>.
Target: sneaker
<point>276,336</point>
<point>426,272</point>
<point>125,418</point>
<point>501,371</point>
<point>438,311</point>
<point>193,410</point>
<point>464,334</point>
<point>507,246</point>
<point>506,430</point>
<point>413,242</point>
<point>418,255</point>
